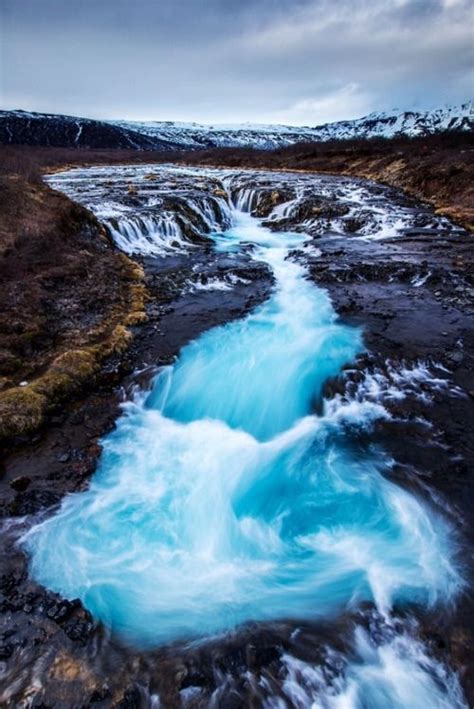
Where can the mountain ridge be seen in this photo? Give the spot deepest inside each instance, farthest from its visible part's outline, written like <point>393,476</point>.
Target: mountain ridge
<point>19,127</point>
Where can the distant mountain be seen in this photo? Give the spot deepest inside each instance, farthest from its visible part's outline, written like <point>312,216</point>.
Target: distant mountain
<point>412,123</point>
<point>25,128</point>
<point>271,136</point>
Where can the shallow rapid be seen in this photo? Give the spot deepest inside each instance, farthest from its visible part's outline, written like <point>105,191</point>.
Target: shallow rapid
<point>233,492</point>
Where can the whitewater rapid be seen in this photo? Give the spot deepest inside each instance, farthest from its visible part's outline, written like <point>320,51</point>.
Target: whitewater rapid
<point>232,492</point>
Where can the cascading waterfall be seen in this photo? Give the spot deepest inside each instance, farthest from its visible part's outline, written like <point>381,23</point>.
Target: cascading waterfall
<point>222,497</point>
<point>161,232</point>
<point>246,199</point>
<point>147,235</point>
<point>138,211</point>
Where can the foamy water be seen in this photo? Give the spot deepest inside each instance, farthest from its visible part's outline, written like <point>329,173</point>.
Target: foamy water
<point>222,497</point>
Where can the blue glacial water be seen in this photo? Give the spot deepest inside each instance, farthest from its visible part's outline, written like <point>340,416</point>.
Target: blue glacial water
<point>222,497</point>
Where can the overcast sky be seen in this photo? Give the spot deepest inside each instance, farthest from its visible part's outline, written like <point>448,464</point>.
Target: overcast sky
<point>293,61</point>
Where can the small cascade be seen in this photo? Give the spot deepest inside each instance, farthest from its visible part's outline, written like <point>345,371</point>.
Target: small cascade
<point>153,213</point>
<point>212,214</point>
<point>394,671</point>
<point>148,235</point>
<point>215,212</point>
<point>246,199</point>
<point>284,210</point>
<point>158,232</point>
<point>243,198</point>
<point>271,201</point>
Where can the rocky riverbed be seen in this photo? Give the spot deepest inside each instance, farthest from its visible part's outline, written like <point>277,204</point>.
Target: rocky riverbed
<point>390,266</point>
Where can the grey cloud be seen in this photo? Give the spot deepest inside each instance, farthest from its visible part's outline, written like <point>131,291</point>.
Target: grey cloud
<point>224,60</point>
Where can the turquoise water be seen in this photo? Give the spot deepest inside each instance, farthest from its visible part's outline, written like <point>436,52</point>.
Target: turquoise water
<point>221,497</point>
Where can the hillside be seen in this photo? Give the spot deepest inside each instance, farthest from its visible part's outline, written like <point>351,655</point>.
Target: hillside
<point>40,129</point>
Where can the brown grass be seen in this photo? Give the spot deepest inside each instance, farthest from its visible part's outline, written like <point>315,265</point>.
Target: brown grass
<point>67,297</point>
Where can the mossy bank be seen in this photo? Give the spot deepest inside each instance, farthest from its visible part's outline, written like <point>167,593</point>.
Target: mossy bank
<point>68,300</point>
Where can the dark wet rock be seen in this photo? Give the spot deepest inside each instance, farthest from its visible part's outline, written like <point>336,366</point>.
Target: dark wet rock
<point>99,695</point>
<point>59,610</point>
<point>456,357</point>
<point>20,483</point>
<point>132,699</point>
<point>33,501</point>
<point>423,231</point>
<point>356,222</point>
<point>6,650</point>
<point>79,629</point>
<point>190,221</point>
<point>268,199</point>
<point>312,214</point>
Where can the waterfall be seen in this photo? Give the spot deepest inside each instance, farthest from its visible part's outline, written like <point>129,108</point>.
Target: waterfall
<point>246,199</point>
<point>224,497</point>
<point>162,232</point>
<point>146,216</point>
<point>148,235</point>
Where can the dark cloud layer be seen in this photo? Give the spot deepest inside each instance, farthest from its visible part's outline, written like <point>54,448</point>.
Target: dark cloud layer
<point>300,61</point>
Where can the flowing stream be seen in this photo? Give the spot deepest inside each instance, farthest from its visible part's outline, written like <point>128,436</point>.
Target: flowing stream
<point>233,492</point>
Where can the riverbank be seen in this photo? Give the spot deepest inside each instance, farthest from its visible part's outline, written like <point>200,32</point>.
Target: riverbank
<point>437,169</point>
<point>68,300</point>
<point>393,288</point>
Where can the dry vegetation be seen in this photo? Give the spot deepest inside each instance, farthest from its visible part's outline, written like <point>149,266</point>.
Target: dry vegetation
<point>66,296</point>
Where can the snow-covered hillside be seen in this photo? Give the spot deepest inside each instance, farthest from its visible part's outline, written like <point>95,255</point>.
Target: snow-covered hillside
<point>389,124</point>
<point>22,127</point>
<point>271,136</point>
